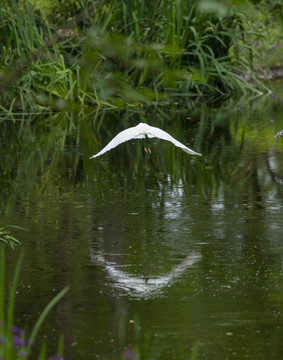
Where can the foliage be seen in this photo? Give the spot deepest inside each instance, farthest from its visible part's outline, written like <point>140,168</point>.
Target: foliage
<point>7,239</point>
<point>13,341</point>
<point>119,53</point>
<point>59,12</point>
<point>273,6</point>
<point>265,37</point>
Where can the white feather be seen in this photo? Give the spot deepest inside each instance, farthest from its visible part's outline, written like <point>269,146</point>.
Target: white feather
<point>141,131</point>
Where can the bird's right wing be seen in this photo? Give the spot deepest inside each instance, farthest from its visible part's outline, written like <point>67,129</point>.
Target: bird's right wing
<point>156,132</point>
<point>123,136</point>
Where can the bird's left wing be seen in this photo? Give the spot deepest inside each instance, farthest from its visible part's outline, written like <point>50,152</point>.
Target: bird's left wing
<point>156,132</point>
<point>123,136</point>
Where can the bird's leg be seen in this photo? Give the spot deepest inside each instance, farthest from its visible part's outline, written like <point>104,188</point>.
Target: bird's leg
<point>147,148</point>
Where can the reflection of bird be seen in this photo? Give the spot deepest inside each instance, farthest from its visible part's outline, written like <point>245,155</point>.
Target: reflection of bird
<point>141,131</point>
<point>138,286</point>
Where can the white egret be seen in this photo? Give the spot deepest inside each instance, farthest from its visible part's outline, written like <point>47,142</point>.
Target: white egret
<point>141,131</point>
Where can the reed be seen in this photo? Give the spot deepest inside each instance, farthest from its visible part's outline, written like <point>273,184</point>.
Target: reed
<point>121,53</point>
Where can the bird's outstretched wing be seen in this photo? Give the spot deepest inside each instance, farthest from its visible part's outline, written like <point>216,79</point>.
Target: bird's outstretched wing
<point>123,136</point>
<point>161,134</point>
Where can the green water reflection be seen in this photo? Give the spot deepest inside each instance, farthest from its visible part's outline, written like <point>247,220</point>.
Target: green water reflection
<point>165,253</point>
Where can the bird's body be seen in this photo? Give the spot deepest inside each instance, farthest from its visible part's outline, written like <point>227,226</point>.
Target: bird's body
<point>141,131</point>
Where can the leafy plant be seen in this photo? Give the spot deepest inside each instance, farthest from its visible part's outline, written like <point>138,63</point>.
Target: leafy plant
<point>7,239</point>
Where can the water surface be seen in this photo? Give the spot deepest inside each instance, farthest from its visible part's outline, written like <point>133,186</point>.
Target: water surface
<point>166,254</point>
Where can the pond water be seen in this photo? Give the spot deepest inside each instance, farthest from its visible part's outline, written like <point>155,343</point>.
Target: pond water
<point>168,256</point>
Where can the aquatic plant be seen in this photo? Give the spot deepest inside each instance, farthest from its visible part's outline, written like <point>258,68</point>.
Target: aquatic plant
<point>7,239</point>
<point>14,343</point>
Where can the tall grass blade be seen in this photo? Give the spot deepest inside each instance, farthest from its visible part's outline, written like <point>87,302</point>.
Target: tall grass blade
<point>61,345</point>
<point>42,354</point>
<point>45,312</point>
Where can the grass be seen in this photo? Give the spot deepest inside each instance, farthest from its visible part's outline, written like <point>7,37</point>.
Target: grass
<point>268,42</point>
<point>116,54</point>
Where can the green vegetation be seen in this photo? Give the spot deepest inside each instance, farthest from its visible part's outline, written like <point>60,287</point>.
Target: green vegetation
<point>7,239</point>
<point>13,341</point>
<point>268,30</point>
<point>66,55</point>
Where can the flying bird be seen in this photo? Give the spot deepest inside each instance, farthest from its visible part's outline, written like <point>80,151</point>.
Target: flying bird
<point>142,131</point>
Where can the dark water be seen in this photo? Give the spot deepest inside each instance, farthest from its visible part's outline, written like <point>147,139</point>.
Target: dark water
<point>168,256</point>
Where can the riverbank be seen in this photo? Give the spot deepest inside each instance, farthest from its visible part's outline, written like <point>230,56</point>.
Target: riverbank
<point>105,56</point>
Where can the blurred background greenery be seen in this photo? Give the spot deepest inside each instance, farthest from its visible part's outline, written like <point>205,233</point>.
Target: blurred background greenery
<point>71,54</point>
